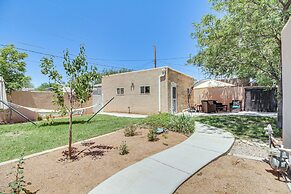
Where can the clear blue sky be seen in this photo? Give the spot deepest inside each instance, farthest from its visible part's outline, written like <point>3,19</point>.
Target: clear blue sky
<point>115,33</point>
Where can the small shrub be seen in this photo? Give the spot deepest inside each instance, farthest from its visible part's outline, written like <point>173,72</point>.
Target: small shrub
<point>165,136</point>
<point>182,124</point>
<point>123,148</point>
<point>158,120</point>
<point>19,184</point>
<point>49,120</point>
<point>152,136</point>
<point>39,118</point>
<point>130,131</point>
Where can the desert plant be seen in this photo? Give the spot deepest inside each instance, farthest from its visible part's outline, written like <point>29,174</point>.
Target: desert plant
<point>130,131</point>
<point>19,184</point>
<point>182,124</point>
<point>123,148</point>
<point>49,119</point>
<point>152,136</point>
<point>39,118</point>
<point>158,120</point>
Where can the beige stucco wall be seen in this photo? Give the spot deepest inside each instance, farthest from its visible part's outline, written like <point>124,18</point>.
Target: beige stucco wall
<point>182,82</point>
<point>39,99</point>
<point>144,104</point>
<point>7,116</point>
<point>132,99</point>
<point>286,56</point>
<point>35,99</point>
<point>223,95</point>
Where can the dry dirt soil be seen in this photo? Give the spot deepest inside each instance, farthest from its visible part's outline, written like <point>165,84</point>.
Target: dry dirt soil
<point>94,162</point>
<point>231,174</point>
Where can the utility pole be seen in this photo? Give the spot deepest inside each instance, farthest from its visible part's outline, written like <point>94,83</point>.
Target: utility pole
<point>155,56</point>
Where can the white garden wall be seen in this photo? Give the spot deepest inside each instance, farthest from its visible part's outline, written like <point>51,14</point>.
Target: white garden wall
<point>286,54</point>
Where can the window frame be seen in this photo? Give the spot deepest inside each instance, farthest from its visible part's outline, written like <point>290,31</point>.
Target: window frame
<point>144,90</point>
<point>120,89</point>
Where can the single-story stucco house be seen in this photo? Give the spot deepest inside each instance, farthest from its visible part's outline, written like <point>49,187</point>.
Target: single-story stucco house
<point>148,91</point>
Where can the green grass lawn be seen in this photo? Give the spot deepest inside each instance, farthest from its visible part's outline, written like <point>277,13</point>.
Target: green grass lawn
<point>242,126</point>
<point>27,139</point>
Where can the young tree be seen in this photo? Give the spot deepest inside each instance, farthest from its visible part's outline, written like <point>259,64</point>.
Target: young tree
<point>78,85</point>
<point>13,68</point>
<point>244,41</point>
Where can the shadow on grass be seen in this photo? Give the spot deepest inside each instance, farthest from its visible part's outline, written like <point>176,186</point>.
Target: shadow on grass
<point>242,126</point>
<point>58,123</point>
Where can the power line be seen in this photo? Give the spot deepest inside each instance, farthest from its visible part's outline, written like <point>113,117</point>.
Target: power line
<point>100,59</point>
<point>58,56</point>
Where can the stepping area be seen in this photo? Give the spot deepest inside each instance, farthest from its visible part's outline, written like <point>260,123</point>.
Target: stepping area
<point>164,172</point>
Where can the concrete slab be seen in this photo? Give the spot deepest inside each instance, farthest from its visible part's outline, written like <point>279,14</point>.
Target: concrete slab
<point>164,172</point>
<point>185,158</point>
<point>146,176</point>
<point>124,115</point>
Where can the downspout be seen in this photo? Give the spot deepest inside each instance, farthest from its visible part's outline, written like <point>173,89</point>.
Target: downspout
<point>162,75</point>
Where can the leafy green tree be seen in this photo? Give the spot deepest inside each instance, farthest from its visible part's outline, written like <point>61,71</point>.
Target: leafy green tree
<point>244,41</point>
<point>80,79</point>
<point>44,86</point>
<point>13,68</point>
<point>28,84</point>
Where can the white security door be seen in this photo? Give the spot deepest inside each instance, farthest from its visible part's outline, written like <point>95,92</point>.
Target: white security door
<point>174,97</point>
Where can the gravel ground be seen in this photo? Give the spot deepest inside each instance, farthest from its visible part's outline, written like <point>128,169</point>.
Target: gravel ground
<point>256,149</point>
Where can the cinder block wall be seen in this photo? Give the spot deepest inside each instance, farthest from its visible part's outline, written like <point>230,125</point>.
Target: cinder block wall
<point>286,56</point>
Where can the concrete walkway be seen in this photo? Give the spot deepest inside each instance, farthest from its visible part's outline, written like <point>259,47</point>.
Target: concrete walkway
<point>164,172</point>
<point>123,115</point>
<point>241,113</point>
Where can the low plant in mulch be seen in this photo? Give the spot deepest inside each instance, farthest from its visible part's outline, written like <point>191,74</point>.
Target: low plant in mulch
<point>130,131</point>
<point>19,185</point>
<point>123,148</point>
<point>152,136</point>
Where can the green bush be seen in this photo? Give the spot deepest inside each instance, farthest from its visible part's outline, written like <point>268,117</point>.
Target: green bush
<point>130,131</point>
<point>123,148</point>
<point>152,136</point>
<point>182,123</point>
<point>158,120</point>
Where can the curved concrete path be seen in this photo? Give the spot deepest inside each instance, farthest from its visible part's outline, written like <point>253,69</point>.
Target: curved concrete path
<point>164,172</point>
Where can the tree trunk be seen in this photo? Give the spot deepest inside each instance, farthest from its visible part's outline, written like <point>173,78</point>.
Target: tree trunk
<point>70,132</point>
<point>280,93</point>
<point>70,123</point>
<point>280,107</point>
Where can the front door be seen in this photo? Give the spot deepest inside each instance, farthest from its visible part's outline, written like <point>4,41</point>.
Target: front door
<point>174,98</point>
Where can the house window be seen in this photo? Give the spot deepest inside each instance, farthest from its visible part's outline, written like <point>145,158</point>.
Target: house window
<point>145,90</point>
<point>120,91</point>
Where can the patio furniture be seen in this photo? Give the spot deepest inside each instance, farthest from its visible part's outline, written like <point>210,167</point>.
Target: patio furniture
<point>208,106</point>
<point>235,106</point>
<point>199,108</point>
<point>278,155</point>
<point>220,106</point>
